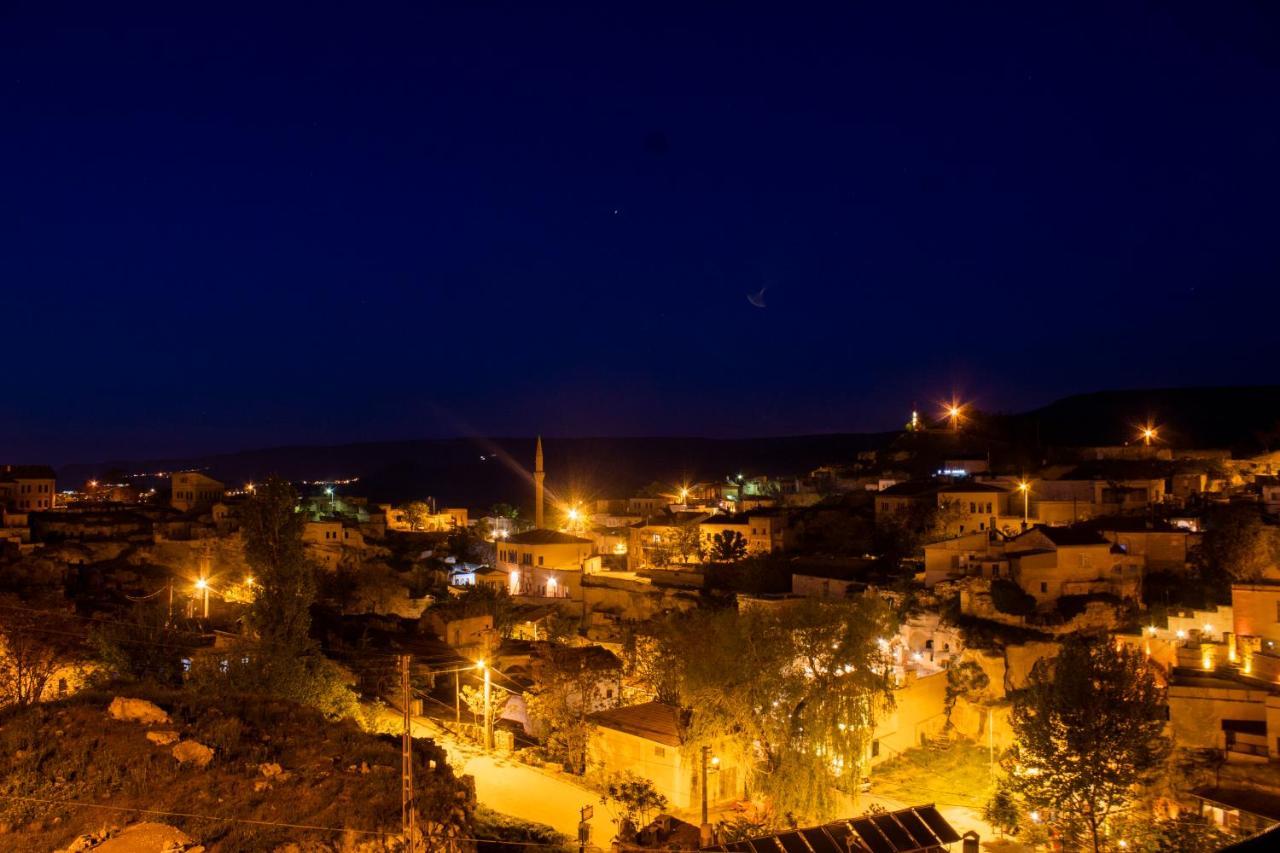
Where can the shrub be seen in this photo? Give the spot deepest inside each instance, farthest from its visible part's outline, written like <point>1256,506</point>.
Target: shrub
<point>1009,598</point>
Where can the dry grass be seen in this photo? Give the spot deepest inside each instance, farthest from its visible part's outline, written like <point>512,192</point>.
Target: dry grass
<point>72,751</point>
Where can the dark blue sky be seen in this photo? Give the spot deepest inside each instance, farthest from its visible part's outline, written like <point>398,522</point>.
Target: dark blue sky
<point>223,228</point>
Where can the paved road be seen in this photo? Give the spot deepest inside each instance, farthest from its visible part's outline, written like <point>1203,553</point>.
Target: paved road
<point>512,788</point>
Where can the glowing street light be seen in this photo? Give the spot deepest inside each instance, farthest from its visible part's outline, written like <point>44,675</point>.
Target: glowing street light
<point>1025,488</point>
<point>488,714</point>
<point>953,412</point>
<point>684,494</point>
<point>1148,434</point>
<point>704,831</point>
<point>202,586</point>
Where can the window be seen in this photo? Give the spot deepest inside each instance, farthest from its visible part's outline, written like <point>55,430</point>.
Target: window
<point>539,559</point>
<point>875,749</point>
<point>660,752</point>
<point>1044,586</point>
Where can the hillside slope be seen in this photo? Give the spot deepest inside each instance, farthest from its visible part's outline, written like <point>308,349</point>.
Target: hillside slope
<point>272,764</point>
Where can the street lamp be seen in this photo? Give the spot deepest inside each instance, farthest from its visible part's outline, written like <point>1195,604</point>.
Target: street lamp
<point>488,714</point>
<point>1148,433</point>
<point>202,586</point>
<point>704,831</point>
<point>953,412</point>
<point>1025,488</point>
<point>329,491</point>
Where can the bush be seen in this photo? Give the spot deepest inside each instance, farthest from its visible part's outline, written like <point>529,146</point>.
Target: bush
<point>1009,598</point>
<point>1071,606</point>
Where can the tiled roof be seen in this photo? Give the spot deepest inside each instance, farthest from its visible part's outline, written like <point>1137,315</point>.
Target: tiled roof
<point>910,489</point>
<point>970,488</point>
<point>1065,537</point>
<point>655,721</point>
<point>540,536</point>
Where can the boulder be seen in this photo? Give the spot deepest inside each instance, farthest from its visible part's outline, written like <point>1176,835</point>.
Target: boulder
<point>162,737</point>
<point>136,711</point>
<point>148,836</point>
<point>270,770</point>
<point>192,752</point>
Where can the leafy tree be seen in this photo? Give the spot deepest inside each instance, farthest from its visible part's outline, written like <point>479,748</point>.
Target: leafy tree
<point>686,541</point>
<point>504,511</point>
<point>1237,545</point>
<point>34,647</point>
<point>473,698</point>
<point>479,600</point>
<point>566,688</point>
<point>1088,729</point>
<point>1187,833</point>
<point>1001,811</point>
<point>635,797</point>
<point>646,653</point>
<point>146,646</point>
<point>417,514</point>
<point>272,530</point>
<point>966,679</point>
<point>728,546</point>
<point>798,690</point>
<point>278,657</point>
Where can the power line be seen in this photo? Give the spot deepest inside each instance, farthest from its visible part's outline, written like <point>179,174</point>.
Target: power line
<point>308,827</point>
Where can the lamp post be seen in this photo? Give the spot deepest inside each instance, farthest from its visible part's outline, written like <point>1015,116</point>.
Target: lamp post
<point>488,713</point>
<point>202,586</point>
<point>1025,488</point>
<point>704,831</point>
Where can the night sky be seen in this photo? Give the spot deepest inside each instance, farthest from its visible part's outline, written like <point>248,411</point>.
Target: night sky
<point>228,228</point>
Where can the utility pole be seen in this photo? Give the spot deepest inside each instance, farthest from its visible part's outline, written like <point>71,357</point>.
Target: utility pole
<point>457,700</point>
<point>584,827</point>
<point>488,713</point>
<point>406,760</point>
<point>704,831</point>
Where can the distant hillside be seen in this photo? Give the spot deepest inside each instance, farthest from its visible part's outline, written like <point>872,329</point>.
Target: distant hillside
<point>1244,419</point>
<point>481,471</point>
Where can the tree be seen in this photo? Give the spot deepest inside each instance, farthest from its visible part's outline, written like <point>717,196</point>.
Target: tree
<point>794,693</point>
<point>146,646</point>
<point>278,657</point>
<point>728,546</point>
<point>647,652</point>
<point>635,797</point>
<point>417,514</point>
<point>1001,811</point>
<point>473,698</point>
<point>686,541</point>
<point>272,530</point>
<point>1237,545</point>
<point>35,646</point>
<point>1088,729</point>
<point>566,689</point>
<point>966,679</point>
<point>478,600</point>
